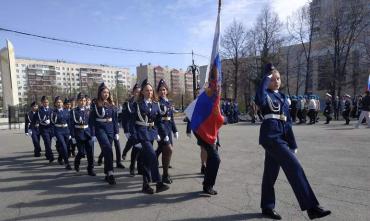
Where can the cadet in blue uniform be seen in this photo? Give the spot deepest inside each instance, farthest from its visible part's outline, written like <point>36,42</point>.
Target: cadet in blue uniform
<point>347,108</point>
<point>144,125</point>
<point>104,125</point>
<point>127,108</point>
<point>277,138</point>
<point>43,119</point>
<point>165,145</point>
<point>60,122</point>
<point>31,129</point>
<point>81,135</point>
<point>67,105</point>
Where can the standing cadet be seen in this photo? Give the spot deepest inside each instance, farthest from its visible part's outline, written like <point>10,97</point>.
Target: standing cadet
<point>43,119</point>
<point>312,109</point>
<point>347,108</point>
<point>104,128</point>
<point>165,145</point>
<point>81,135</point>
<point>32,129</point>
<point>293,108</point>
<point>67,105</point>
<point>328,111</point>
<point>277,138</point>
<point>60,119</point>
<point>236,111</point>
<point>127,108</point>
<point>144,125</point>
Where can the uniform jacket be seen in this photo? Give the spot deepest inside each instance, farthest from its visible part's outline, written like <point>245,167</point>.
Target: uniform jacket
<point>166,110</point>
<point>273,131</point>
<point>127,109</point>
<point>59,117</point>
<point>80,117</point>
<point>105,112</point>
<point>328,107</point>
<point>146,113</point>
<point>43,118</point>
<point>30,122</point>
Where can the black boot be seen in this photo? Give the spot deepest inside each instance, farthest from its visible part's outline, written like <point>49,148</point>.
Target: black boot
<point>132,171</point>
<point>68,167</point>
<point>160,187</point>
<point>100,161</point>
<point>147,189</point>
<point>91,172</point>
<point>317,212</point>
<point>120,165</point>
<point>271,213</point>
<point>203,170</point>
<point>167,179</point>
<point>77,168</point>
<point>110,179</point>
<point>209,190</point>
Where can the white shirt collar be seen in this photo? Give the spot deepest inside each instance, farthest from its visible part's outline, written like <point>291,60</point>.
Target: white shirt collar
<point>147,101</point>
<point>60,109</point>
<point>276,91</point>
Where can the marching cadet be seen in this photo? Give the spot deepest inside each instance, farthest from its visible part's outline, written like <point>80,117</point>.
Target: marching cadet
<point>236,111</point>
<point>104,128</point>
<point>277,138</point>
<point>32,129</point>
<point>81,135</point>
<point>165,145</point>
<point>67,105</point>
<point>328,111</point>
<point>60,121</point>
<point>127,108</point>
<point>346,108</point>
<point>365,110</point>
<point>144,125</point>
<point>46,131</point>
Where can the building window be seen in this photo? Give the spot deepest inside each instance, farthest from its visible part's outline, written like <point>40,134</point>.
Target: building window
<point>63,68</point>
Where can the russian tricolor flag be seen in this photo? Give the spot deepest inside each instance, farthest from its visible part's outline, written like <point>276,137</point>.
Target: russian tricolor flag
<point>204,112</point>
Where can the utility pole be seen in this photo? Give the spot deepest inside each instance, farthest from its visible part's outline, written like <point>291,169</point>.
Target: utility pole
<point>194,69</point>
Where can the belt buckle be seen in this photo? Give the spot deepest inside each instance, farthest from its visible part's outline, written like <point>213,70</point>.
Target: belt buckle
<point>282,117</point>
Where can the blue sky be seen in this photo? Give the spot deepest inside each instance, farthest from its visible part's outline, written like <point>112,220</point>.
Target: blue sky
<point>162,25</point>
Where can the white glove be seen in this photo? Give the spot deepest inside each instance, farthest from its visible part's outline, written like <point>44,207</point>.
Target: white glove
<point>93,139</point>
<point>269,76</point>
<point>294,151</point>
<point>28,134</point>
<point>69,137</point>
<point>158,138</point>
<point>189,135</point>
<point>177,135</point>
<point>166,138</point>
<point>54,138</point>
<point>128,135</point>
<point>116,137</point>
<point>47,122</point>
<point>74,141</point>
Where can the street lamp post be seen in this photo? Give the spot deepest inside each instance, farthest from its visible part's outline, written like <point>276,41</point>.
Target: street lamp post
<point>194,69</point>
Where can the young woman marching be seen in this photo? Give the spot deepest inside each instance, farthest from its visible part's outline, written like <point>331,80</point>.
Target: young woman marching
<point>81,135</point>
<point>60,121</point>
<point>144,125</point>
<point>104,128</point>
<point>165,145</point>
<point>277,138</point>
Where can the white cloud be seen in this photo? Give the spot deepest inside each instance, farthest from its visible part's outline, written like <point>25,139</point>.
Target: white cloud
<point>285,8</point>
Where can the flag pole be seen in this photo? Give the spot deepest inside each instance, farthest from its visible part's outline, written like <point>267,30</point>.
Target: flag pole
<point>219,6</point>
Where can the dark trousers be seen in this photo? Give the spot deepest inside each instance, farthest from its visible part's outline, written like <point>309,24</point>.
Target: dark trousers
<point>85,146</point>
<point>105,141</point>
<point>346,116</point>
<point>279,155</point>
<point>149,163</point>
<point>328,117</point>
<point>336,114</point>
<point>312,115</point>
<point>293,114</point>
<point>135,157</point>
<point>36,142</point>
<point>46,137</point>
<point>63,141</point>
<point>213,163</point>
<point>117,147</point>
<point>129,144</point>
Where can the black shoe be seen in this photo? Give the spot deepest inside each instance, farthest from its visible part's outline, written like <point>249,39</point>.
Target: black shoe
<point>68,167</point>
<point>317,212</point>
<point>73,154</point>
<point>100,162</point>
<point>120,165</point>
<point>123,157</point>
<point>77,168</point>
<point>37,155</point>
<point>167,179</point>
<point>51,160</point>
<point>132,171</point>
<point>91,173</point>
<point>169,166</point>
<point>203,169</point>
<point>147,189</point>
<point>271,213</point>
<point>161,187</point>
<point>110,179</point>
<point>209,190</point>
